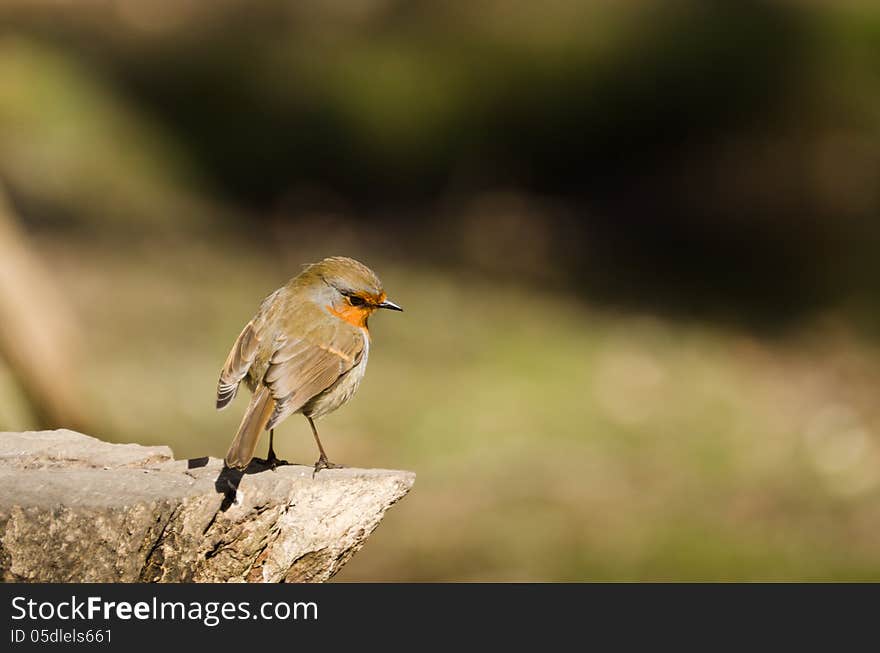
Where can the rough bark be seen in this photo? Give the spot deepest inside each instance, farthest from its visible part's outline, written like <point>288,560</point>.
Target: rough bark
<point>76,509</point>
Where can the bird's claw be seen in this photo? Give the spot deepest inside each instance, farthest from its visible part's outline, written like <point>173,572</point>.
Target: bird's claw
<point>323,463</point>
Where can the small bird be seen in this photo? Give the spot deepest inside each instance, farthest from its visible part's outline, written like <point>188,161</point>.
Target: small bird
<point>305,352</point>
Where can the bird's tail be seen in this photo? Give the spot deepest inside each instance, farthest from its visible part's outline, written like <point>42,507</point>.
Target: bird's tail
<point>241,451</point>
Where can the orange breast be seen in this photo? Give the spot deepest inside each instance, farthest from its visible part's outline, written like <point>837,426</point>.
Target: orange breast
<point>354,315</point>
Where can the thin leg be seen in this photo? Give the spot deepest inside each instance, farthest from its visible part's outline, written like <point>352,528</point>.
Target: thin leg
<point>323,462</point>
<point>272,460</point>
<point>271,454</point>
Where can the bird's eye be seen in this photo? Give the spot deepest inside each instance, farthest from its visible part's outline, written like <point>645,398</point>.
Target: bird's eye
<point>356,301</point>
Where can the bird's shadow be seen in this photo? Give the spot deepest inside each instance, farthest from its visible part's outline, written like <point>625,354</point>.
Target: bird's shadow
<point>228,479</point>
<point>226,484</point>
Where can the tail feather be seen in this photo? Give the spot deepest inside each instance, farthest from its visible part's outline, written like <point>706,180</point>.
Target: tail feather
<point>254,422</point>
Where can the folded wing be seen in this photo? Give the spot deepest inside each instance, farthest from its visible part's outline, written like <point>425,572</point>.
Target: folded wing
<point>243,353</point>
<point>302,368</point>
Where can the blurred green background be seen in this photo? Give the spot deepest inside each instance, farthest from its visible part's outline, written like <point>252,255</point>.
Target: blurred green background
<point>636,243</point>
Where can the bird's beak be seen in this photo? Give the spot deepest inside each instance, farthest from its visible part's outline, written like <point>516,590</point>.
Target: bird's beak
<point>391,306</point>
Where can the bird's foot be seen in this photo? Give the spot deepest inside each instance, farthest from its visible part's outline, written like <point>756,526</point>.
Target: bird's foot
<point>323,463</point>
<point>272,461</point>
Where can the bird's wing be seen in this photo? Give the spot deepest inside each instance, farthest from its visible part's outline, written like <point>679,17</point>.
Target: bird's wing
<point>302,368</point>
<point>242,355</point>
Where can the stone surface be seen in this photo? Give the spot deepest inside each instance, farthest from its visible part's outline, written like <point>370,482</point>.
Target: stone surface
<point>76,509</point>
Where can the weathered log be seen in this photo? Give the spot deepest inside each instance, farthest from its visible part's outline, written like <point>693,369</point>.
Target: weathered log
<point>76,509</point>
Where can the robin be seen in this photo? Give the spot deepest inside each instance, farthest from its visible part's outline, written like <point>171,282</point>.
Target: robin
<point>305,352</point>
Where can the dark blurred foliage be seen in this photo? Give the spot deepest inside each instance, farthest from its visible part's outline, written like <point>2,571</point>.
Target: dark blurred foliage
<point>709,158</point>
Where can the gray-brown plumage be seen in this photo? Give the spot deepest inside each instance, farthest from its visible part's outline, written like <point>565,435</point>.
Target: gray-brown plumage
<point>305,351</point>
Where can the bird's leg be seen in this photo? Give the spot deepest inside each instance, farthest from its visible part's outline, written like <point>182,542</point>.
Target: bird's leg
<point>323,462</point>
<point>272,460</point>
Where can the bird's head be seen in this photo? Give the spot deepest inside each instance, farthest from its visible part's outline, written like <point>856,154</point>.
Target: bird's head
<point>348,289</point>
